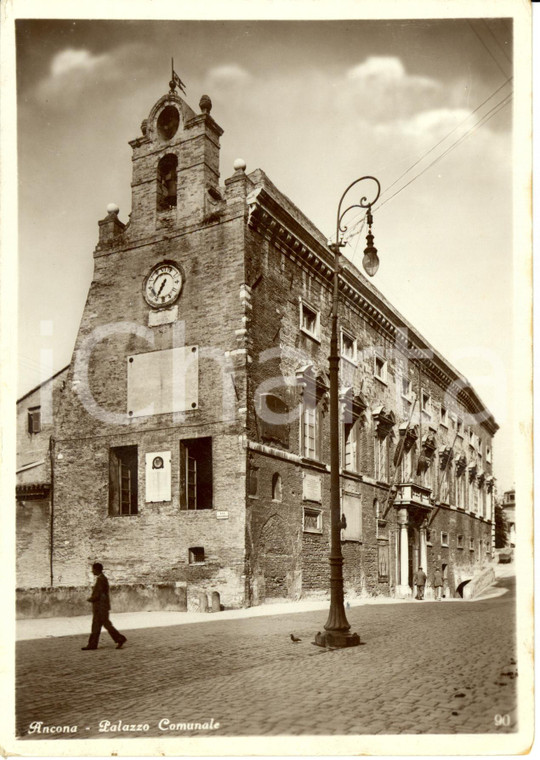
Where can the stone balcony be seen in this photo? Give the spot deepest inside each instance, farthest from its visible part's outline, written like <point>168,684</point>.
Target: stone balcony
<point>412,495</point>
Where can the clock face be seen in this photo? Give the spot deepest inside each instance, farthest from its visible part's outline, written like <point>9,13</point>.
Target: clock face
<point>163,285</point>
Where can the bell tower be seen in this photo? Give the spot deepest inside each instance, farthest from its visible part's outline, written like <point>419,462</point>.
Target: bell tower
<point>175,180</point>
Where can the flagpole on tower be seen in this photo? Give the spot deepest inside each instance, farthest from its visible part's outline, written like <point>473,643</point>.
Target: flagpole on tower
<point>175,80</point>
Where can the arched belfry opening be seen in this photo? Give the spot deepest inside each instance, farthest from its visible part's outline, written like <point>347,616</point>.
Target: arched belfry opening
<point>167,182</point>
<point>167,123</point>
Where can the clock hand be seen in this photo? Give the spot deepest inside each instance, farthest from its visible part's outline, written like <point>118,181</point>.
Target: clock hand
<point>162,286</point>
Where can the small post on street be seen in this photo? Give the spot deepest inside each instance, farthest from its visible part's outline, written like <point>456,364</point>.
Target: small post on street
<point>337,628</point>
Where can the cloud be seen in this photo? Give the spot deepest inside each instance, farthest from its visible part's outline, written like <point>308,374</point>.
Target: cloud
<point>70,60</point>
<point>389,71</point>
<point>434,123</point>
<point>383,91</point>
<point>228,74</point>
<point>74,72</point>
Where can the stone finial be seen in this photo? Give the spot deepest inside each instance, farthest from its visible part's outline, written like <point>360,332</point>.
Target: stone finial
<point>205,104</point>
<point>144,126</point>
<point>110,227</point>
<point>239,165</point>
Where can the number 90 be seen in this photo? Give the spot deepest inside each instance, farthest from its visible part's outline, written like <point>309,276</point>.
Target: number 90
<point>502,720</point>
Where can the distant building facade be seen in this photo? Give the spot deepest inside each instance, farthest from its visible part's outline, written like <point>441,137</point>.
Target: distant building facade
<point>190,441</point>
<point>509,511</point>
<point>36,412</point>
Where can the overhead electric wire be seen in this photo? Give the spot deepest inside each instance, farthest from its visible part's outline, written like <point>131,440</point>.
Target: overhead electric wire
<point>501,47</point>
<point>488,50</point>
<point>485,118</point>
<point>359,224</point>
<point>424,155</point>
<point>490,114</point>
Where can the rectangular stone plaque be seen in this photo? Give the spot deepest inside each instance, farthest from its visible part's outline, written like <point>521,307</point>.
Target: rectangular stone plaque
<point>158,476</point>
<point>311,488</point>
<point>222,515</point>
<point>163,317</point>
<point>161,382</point>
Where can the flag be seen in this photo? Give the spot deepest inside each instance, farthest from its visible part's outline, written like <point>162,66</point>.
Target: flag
<point>178,82</point>
<point>400,448</point>
<point>175,79</point>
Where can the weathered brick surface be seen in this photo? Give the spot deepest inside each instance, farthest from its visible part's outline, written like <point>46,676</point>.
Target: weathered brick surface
<point>33,526</point>
<point>248,258</point>
<point>152,546</point>
<point>279,282</point>
<point>33,541</point>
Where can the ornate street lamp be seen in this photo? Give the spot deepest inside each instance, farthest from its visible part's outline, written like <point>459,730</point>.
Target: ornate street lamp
<point>337,629</point>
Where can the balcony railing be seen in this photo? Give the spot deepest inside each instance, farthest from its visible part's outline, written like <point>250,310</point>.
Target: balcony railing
<point>412,494</point>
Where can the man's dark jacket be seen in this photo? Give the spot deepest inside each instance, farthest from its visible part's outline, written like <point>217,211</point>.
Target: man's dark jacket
<point>101,603</point>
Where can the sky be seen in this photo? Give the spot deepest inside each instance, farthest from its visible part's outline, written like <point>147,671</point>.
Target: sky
<point>423,105</point>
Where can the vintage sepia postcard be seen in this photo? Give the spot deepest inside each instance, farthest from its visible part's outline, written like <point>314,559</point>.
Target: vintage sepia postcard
<point>266,278</point>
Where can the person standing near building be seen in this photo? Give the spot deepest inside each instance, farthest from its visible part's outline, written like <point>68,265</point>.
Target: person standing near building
<point>419,581</point>
<point>100,611</point>
<point>438,583</point>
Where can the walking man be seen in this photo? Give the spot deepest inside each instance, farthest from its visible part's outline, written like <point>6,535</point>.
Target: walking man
<point>100,610</point>
<point>438,583</point>
<point>420,581</point>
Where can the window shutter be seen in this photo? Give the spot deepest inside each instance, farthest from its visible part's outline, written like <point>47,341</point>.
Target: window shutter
<point>183,476</point>
<point>114,484</point>
<point>352,509</point>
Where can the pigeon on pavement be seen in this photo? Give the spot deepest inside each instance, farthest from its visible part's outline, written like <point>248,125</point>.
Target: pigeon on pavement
<point>295,638</point>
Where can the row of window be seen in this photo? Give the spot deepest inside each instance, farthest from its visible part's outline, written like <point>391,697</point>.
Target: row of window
<point>310,324</point>
<point>460,542</point>
<point>195,477</point>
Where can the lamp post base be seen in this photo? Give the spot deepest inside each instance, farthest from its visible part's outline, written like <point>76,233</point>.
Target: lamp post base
<point>336,639</point>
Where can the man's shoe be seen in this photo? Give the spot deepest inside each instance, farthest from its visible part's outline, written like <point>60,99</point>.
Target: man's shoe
<point>87,648</point>
<point>121,642</point>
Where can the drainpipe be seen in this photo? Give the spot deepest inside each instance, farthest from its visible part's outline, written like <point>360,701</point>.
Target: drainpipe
<point>51,496</point>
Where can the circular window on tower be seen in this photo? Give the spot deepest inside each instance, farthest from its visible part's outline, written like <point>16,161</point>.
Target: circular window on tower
<point>168,122</point>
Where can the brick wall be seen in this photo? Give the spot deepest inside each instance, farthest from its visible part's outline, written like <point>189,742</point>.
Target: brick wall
<point>279,347</point>
<point>153,545</point>
<point>33,542</point>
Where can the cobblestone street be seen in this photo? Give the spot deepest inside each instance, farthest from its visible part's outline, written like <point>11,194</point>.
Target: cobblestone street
<point>423,667</point>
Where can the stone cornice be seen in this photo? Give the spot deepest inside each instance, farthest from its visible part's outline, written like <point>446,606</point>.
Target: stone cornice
<point>269,217</point>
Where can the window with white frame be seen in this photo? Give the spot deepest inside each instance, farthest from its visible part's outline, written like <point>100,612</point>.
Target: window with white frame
<point>312,520</point>
<point>310,321</point>
<point>351,445</point>
<point>381,458</point>
<point>196,474</point>
<point>311,426</point>
<point>406,388</point>
<point>34,419</point>
<point>348,347</point>
<point>459,427</point>
<point>123,480</point>
<point>444,538</point>
<point>276,487</point>
<point>407,464</point>
<point>460,490</point>
<point>471,544</point>
<point>380,369</point>
<point>444,416</point>
<point>351,507</point>
<point>426,403</point>
<point>310,431</point>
